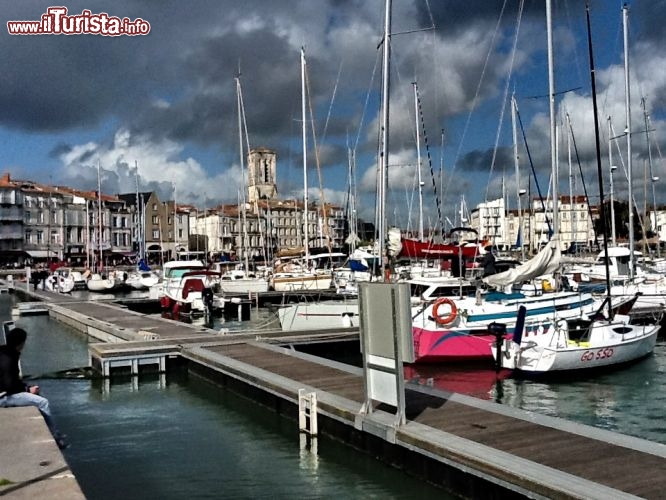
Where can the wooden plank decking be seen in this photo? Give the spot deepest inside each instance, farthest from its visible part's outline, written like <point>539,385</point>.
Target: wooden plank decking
<point>633,466</point>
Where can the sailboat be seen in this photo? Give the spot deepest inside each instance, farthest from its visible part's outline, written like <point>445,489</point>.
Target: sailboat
<point>241,280</point>
<point>607,339</point>
<point>305,275</point>
<point>426,249</point>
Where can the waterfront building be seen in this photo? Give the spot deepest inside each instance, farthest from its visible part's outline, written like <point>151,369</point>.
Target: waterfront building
<point>576,222</point>
<point>11,222</point>
<point>225,235</point>
<point>489,219</point>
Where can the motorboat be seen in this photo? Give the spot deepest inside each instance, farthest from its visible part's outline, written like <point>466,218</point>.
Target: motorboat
<point>191,292</point>
<point>172,271</point>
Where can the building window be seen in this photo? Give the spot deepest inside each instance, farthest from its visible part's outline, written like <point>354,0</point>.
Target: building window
<point>156,234</point>
<point>41,216</point>
<point>28,237</point>
<point>156,219</point>
<point>154,207</point>
<point>180,234</point>
<point>40,237</point>
<point>27,217</point>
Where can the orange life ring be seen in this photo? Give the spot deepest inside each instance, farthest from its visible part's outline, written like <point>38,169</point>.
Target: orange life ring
<point>448,318</point>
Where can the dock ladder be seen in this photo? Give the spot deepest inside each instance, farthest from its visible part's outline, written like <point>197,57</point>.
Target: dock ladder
<point>307,412</point>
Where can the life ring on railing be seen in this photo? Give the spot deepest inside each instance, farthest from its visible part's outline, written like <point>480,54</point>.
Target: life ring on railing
<point>445,319</point>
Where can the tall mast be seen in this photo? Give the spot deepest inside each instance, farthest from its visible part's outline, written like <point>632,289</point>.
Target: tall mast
<point>383,166</point>
<point>87,236</point>
<point>551,99</point>
<point>612,169</point>
<point>175,214</point>
<point>305,159</point>
<point>239,99</point>
<point>572,220</point>
<point>418,160</point>
<point>627,95</point>
<point>519,192</point>
<point>653,178</point>
<point>598,152</point>
<point>138,210</point>
<point>99,216</point>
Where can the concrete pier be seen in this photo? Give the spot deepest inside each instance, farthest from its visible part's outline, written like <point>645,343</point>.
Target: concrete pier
<point>31,465</point>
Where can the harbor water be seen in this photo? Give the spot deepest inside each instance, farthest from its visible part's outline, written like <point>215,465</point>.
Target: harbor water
<point>190,439</point>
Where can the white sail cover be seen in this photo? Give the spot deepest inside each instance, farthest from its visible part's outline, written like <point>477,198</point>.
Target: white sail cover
<point>547,261</point>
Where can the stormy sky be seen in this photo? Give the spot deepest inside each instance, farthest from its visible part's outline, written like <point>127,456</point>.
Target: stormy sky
<point>167,101</point>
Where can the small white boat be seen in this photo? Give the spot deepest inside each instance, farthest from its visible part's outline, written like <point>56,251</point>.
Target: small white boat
<point>236,281</point>
<point>288,282</point>
<point>98,283</point>
<point>578,345</point>
<point>319,315</point>
<point>142,280</point>
<point>59,283</point>
<point>76,276</point>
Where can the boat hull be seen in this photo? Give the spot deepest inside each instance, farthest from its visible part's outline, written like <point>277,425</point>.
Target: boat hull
<point>244,286</point>
<point>415,249</point>
<point>319,316</point>
<point>445,346</point>
<point>308,282</point>
<point>537,358</point>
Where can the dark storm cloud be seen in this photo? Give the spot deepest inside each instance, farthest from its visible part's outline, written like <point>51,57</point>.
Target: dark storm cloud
<point>481,161</point>
<point>59,150</point>
<point>57,82</point>
<point>454,17</point>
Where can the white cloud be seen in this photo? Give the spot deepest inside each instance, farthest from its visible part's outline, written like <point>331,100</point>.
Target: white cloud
<point>158,162</point>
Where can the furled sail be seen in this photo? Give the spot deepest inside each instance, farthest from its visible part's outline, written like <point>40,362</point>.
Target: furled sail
<point>547,261</point>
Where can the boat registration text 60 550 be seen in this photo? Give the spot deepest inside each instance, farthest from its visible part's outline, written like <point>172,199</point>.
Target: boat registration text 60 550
<point>604,353</point>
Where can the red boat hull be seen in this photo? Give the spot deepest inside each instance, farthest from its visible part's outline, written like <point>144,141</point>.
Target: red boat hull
<point>415,249</point>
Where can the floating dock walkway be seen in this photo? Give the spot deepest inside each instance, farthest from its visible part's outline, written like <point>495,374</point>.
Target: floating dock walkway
<point>475,448</point>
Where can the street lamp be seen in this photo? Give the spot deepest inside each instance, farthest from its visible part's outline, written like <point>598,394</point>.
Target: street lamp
<point>613,168</point>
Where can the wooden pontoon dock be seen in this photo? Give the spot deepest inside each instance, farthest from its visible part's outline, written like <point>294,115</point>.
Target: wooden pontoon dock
<point>472,447</point>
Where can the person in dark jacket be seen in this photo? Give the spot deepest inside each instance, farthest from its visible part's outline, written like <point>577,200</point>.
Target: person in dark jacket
<point>488,264</point>
<point>13,391</point>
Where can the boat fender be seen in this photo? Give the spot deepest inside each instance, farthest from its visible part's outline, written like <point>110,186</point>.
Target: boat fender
<point>444,319</point>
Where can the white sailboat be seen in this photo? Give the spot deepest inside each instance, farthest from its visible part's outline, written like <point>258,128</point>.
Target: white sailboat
<point>302,276</point>
<point>242,280</point>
